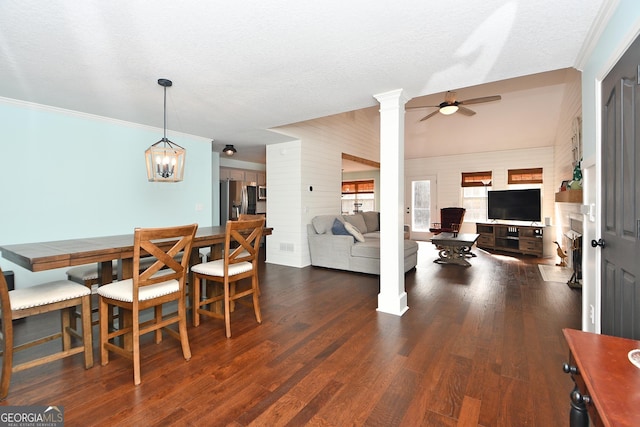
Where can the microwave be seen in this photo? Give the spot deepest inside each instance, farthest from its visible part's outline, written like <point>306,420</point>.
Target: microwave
<point>262,192</point>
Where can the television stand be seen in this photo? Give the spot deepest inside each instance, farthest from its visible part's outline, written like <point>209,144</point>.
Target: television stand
<point>524,239</point>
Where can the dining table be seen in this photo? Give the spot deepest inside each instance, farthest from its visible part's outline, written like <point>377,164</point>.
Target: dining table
<point>103,250</point>
<point>41,256</point>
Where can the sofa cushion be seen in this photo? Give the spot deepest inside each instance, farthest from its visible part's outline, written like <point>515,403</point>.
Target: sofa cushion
<point>358,221</point>
<point>339,228</point>
<point>323,223</point>
<point>372,220</point>
<point>354,232</point>
<point>367,249</point>
<point>410,247</point>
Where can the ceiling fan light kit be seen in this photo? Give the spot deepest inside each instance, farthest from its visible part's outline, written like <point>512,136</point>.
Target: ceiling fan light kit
<point>448,109</point>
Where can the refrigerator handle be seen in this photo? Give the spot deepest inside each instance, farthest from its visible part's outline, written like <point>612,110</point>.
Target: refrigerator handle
<point>245,200</point>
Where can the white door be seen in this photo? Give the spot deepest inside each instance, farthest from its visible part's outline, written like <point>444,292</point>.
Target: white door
<point>421,201</point>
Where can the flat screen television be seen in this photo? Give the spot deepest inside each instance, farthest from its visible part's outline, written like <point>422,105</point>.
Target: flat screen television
<point>515,205</point>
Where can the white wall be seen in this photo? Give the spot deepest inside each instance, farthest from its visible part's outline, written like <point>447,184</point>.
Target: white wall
<point>284,204</point>
<point>571,109</point>
<point>70,175</point>
<point>306,175</point>
<point>448,171</point>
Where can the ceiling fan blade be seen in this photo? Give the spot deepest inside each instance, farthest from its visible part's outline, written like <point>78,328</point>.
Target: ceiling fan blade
<point>419,108</point>
<point>480,100</point>
<point>465,111</point>
<point>429,116</point>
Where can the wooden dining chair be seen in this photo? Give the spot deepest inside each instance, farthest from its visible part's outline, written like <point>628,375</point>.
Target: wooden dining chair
<point>239,261</point>
<point>87,275</point>
<point>161,282</point>
<point>58,295</point>
<point>247,217</point>
<point>209,256</point>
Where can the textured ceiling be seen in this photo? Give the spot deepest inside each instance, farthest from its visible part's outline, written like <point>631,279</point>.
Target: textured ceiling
<point>240,68</point>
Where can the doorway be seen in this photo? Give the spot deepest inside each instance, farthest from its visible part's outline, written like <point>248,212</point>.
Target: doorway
<point>420,211</point>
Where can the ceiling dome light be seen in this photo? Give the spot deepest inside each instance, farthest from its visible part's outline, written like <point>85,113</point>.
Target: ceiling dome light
<point>447,109</point>
<point>229,150</point>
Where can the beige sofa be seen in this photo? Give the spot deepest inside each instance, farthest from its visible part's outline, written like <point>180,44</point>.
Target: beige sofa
<point>344,252</point>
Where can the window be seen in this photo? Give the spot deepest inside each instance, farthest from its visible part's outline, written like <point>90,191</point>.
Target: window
<point>475,186</point>
<point>421,205</point>
<point>358,196</point>
<point>524,176</point>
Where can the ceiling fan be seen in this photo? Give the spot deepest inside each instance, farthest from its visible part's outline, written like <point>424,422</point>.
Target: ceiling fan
<point>451,105</point>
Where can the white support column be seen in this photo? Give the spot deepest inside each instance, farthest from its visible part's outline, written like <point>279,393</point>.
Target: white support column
<point>392,298</point>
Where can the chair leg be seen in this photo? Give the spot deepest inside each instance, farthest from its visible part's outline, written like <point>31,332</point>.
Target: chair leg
<point>86,331</point>
<point>227,310</point>
<point>256,300</point>
<point>135,332</point>
<point>65,325</point>
<point>104,331</point>
<point>232,291</point>
<point>182,327</point>
<point>195,305</point>
<point>7,359</point>
<point>158,318</point>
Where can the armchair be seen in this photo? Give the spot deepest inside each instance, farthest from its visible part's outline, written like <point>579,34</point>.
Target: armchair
<point>450,220</point>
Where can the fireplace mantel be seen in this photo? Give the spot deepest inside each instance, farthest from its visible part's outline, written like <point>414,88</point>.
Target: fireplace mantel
<point>569,196</point>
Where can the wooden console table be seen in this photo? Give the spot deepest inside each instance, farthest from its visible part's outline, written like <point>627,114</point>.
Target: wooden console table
<point>524,239</point>
<point>607,384</point>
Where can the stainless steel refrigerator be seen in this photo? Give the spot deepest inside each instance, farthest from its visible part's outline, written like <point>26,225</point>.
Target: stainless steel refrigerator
<point>237,197</point>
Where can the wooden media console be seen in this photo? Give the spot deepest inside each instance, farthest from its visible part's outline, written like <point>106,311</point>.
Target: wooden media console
<point>522,239</point>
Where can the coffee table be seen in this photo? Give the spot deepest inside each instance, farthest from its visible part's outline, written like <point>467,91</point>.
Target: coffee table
<point>454,249</point>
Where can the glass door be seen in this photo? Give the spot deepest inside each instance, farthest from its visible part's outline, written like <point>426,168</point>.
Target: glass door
<point>420,211</point>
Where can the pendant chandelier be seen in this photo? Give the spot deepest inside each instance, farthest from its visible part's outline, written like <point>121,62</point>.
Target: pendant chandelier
<point>165,159</point>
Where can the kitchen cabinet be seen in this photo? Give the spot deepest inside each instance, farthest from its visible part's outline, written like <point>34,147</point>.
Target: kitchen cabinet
<point>251,176</point>
<point>233,174</point>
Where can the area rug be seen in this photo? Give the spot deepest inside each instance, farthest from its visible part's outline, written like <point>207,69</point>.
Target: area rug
<point>553,273</point>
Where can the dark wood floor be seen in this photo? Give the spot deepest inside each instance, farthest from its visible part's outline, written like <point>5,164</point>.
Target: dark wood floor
<point>478,346</point>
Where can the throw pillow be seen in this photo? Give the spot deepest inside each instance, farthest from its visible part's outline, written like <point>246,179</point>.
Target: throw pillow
<point>354,232</point>
<point>338,228</point>
<point>358,221</point>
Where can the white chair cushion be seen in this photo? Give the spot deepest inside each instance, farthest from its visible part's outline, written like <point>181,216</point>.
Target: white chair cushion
<point>82,273</point>
<point>123,290</point>
<point>46,293</point>
<point>216,268</point>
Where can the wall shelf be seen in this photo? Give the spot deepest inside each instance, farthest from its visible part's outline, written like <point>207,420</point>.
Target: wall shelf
<point>569,196</point>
